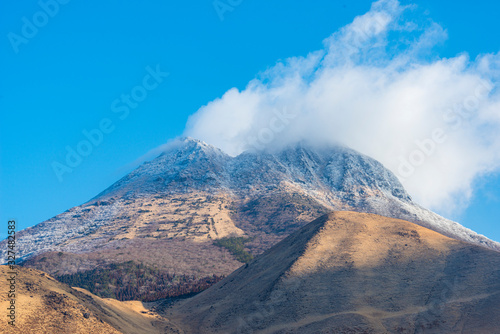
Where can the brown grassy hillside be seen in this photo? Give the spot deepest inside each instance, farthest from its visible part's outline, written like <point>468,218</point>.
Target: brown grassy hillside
<point>355,273</point>
<point>44,305</point>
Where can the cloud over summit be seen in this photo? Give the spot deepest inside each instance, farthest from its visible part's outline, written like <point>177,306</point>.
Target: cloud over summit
<point>378,87</point>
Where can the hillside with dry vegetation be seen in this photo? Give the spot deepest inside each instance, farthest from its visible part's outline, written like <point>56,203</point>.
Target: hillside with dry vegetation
<point>46,306</point>
<point>350,272</point>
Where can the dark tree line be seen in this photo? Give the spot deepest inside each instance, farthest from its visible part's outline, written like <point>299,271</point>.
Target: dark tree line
<point>136,281</point>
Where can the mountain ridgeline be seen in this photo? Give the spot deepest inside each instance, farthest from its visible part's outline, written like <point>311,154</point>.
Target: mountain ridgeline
<point>171,213</point>
<point>349,272</point>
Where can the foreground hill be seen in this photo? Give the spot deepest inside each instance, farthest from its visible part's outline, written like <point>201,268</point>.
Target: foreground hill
<point>46,306</point>
<point>195,214</point>
<point>350,272</point>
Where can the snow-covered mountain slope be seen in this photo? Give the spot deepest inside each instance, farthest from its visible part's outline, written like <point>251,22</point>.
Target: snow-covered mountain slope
<point>335,176</point>
<point>193,194</point>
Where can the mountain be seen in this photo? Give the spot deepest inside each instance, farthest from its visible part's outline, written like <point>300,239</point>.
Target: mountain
<point>349,272</point>
<point>46,306</point>
<point>193,214</point>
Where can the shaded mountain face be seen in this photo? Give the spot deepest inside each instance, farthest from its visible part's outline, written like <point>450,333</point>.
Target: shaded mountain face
<point>168,213</point>
<point>350,272</point>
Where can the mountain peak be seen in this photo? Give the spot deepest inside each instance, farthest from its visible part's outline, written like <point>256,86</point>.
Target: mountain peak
<point>183,159</point>
<point>194,191</point>
<point>186,144</point>
<point>332,175</point>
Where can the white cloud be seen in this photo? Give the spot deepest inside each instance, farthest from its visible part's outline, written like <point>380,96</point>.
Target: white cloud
<point>377,87</point>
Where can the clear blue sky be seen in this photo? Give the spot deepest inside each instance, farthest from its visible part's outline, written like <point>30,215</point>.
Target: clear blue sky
<point>66,75</point>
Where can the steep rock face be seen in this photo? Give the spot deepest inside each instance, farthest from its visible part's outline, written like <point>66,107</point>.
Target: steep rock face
<point>350,272</point>
<point>176,205</point>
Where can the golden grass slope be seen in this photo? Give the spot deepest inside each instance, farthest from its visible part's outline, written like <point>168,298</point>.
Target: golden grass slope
<point>350,272</point>
<point>44,305</point>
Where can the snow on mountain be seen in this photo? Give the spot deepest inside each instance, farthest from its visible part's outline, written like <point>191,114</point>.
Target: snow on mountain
<point>312,180</point>
<point>335,176</point>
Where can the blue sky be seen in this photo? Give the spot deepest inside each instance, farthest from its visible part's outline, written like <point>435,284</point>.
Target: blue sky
<point>64,78</point>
